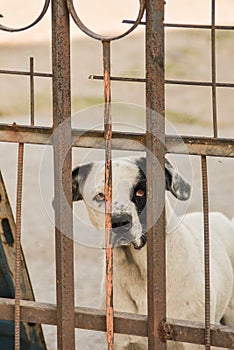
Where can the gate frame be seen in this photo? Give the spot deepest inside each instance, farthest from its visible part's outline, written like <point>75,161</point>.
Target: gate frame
<point>64,314</point>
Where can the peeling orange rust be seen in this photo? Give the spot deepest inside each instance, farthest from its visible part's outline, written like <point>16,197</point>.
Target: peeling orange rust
<point>108,196</point>
<point>107,86</point>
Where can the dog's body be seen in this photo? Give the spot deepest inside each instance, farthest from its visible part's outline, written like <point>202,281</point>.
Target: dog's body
<point>185,277</point>
<point>184,248</point>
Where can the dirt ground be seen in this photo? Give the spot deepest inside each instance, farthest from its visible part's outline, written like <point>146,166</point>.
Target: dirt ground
<point>188,111</point>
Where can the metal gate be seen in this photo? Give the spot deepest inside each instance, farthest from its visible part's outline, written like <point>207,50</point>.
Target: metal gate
<point>64,314</point>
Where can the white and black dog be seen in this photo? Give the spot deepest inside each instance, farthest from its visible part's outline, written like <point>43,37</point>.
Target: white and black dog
<point>184,247</point>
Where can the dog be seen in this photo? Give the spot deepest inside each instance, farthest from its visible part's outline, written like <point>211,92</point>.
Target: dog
<point>184,247</point>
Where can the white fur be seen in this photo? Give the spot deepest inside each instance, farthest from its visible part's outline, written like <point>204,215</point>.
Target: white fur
<point>185,276</point>
<point>185,264</point>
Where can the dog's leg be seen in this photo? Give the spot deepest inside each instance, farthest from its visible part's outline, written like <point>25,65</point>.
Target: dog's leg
<point>228,318</point>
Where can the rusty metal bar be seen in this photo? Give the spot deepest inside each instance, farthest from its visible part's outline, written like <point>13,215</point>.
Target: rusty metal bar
<point>17,72</point>
<point>213,70</point>
<point>221,147</point>
<point>18,245</point>
<point>63,175</point>
<point>85,318</point>
<point>200,146</point>
<point>32,104</point>
<point>108,196</point>
<point>194,145</point>
<point>194,333</point>
<point>155,136</point>
<point>94,319</point>
<point>188,26</point>
<point>167,81</point>
<point>198,26</point>
<point>206,252</point>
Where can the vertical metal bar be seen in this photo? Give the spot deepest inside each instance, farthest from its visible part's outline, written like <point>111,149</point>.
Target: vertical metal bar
<point>213,70</point>
<point>155,142</point>
<point>32,104</point>
<point>206,251</point>
<point>63,175</point>
<point>108,196</point>
<point>18,244</point>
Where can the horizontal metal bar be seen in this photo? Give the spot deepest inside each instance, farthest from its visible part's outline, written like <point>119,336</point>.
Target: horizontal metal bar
<point>85,318</point>
<point>193,332</point>
<point>125,79</point>
<point>198,26</point>
<point>220,147</point>
<point>26,73</point>
<point>167,81</point>
<point>188,26</point>
<point>94,319</point>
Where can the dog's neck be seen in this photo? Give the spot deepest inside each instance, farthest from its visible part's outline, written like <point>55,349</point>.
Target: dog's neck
<point>128,255</point>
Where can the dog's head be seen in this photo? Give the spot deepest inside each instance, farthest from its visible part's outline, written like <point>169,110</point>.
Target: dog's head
<point>128,196</point>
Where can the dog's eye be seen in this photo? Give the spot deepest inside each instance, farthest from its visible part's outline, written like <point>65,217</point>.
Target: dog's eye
<point>100,197</point>
<point>140,193</point>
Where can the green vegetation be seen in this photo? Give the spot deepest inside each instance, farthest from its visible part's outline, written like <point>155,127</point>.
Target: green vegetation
<point>43,104</point>
<point>79,103</point>
<point>184,118</point>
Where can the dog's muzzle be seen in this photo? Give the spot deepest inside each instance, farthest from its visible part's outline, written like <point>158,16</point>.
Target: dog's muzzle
<point>122,234</point>
<point>121,230</point>
<point>121,223</point>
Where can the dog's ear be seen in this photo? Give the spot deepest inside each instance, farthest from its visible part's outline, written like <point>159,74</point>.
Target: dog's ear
<point>175,184</point>
<point>79,176</point>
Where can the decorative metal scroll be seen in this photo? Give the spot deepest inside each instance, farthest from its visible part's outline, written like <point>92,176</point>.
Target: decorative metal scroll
<point>37,20</point>
<point>96,36</point>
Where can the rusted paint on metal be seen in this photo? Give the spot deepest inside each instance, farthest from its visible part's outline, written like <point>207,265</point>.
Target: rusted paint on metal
<point>18,244</point>
<point>108,196</point>
<point>109,299</point>
<point>155,144</point>
<point>95,319</point>
<point>221,147</point>
<point>159,330</point>
<point>63,175</point>
<point>194,333</point>
<point>166,331</point>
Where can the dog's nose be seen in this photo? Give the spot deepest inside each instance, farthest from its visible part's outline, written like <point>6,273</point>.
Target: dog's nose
<point>121,223</point>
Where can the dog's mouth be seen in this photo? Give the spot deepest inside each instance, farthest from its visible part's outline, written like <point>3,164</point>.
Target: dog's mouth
<point>121,236</point>
<point>137,243</point>
<point>140,243</point>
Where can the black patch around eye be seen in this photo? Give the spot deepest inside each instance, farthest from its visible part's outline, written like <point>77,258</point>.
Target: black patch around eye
<point>139,201</point>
